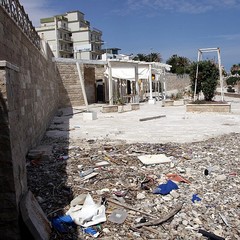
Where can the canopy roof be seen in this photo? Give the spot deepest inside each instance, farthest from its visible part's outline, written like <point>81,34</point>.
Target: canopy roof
<point>123,69</point>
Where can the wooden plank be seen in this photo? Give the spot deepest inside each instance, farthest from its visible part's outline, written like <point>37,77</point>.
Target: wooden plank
<point>151,118</point>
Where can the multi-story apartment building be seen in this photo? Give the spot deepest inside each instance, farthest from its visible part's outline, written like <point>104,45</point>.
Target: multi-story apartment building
<point>71,36</point>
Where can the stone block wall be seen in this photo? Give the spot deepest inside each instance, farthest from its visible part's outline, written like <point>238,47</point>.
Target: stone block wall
<point>99,72</point>
<point>9,208</point>
<point>29,97</point>
<point>71,85</point>
<point>71,91</point>
<point>177,82</point>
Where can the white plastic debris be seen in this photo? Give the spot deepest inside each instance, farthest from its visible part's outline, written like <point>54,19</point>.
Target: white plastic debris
<point>88,214</point>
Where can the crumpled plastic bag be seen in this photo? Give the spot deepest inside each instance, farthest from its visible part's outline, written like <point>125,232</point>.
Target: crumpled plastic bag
<point>88,214</point>
<point>60,223</point>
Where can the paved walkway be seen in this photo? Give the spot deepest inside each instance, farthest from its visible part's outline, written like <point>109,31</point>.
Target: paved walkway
<point>177,126</point>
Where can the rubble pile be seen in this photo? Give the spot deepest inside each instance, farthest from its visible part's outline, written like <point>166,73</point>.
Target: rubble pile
<point>194,194</point>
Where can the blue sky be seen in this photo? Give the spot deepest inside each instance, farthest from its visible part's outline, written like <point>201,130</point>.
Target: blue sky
<point>166,26</point>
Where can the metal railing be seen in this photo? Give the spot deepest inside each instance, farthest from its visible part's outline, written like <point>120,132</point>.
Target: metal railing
<point>64,27</point>
<point>17,13</point>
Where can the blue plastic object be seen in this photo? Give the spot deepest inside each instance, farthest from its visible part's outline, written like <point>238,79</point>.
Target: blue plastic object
<point>196,198</point>
<point>165,188</point>
<point>59,223</point>
<point>91,231</point>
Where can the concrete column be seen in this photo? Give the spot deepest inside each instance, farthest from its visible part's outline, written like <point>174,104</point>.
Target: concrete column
<point>136,84</point>
<point>56,37</point>
<point>81,78</point>
<point>151,100</point>
<point>220,74</point>
<point>110,87</point>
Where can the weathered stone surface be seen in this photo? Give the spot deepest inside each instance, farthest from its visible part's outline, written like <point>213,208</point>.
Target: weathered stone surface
<point>208,107</point>
<point>109,108</point>
<point>29,97</point>
<point>135,106</point>
<point>168,103</point>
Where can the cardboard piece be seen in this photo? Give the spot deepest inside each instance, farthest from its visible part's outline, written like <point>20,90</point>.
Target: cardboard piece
<point>154,159</point>
<point>34,217</point>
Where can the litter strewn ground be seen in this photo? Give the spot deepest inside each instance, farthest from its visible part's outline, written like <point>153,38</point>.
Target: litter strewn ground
<point>195,193</point>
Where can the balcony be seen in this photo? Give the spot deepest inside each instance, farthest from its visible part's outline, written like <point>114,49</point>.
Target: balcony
<point>84,28</point>
<point>96,30</point>
<point>66,50</point>
<point>64,28</point>
<point>66,39</point>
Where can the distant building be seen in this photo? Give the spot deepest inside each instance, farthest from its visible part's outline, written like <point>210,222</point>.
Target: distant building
<point>112,53</point>
<point>71,36</point>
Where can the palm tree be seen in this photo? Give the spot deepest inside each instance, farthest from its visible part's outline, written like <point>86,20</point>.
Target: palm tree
<point>152,57</point>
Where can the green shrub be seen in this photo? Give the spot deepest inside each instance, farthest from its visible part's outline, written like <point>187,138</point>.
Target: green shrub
<point>232,80</point>
<point>207,80</point>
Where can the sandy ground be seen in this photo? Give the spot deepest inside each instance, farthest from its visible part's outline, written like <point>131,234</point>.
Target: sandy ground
<point>176,125</point>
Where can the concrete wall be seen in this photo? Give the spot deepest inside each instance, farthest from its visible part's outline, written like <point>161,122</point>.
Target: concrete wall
<point>29,97</point>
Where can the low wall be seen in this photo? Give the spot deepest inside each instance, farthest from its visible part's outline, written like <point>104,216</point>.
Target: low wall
<point>208,108</point>
<point>29,97</point>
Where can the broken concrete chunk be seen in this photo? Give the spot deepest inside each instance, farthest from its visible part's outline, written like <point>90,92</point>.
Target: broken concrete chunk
<point>154,159</point>
<point>221,177</point>
<point>34,217</point>
<point>42,152</point>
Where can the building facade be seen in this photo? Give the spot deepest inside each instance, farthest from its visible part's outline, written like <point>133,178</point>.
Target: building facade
<point>71,36</point>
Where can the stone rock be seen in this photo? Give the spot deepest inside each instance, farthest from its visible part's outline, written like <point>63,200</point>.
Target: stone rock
<point>167,198</point>
<point>185,222</point>
<point>141,196</point>
<point>221,177</point>
<point>174,194</point>
<point>106,230</point>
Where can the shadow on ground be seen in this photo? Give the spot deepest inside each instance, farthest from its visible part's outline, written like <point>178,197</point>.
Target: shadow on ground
<point>47,177</point>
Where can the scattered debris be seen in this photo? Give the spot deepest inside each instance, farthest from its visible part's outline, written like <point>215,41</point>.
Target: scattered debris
<point>118,216</point>
<point>154,159</point>
<point>91,231</point>
<point>224,219</point>
<point>160,220</point>
<point>125,183</point>
<point>176,178</point>
<point>165,188</point>
<point>209,235</point>
<point>60,223</point>
<point>87,172</point>
<point>88,214</point>
<point>196,198</point>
